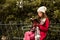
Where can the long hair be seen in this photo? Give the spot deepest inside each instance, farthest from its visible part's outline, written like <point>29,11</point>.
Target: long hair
<point>44,15</point>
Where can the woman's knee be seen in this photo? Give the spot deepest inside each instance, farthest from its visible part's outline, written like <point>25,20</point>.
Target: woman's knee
<point>27,32</point>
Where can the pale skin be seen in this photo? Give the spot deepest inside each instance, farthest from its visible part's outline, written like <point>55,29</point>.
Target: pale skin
<point>40,14</point>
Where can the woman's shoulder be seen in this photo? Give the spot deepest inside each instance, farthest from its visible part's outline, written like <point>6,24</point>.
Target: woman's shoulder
<point>47,19</point>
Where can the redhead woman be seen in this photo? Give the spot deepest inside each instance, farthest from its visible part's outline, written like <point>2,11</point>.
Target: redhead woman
<point>43,25</point>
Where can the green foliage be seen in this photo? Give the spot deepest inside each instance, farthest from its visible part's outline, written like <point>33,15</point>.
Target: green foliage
<point>29,8</point>
<point>57,14</point>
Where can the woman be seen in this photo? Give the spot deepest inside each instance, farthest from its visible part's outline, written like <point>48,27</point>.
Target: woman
<point>43,25</point>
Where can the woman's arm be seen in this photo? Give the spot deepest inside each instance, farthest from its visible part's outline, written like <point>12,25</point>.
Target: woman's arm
<point>45,26</point>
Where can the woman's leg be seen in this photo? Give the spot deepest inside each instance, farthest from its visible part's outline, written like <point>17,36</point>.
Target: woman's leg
<point>29,35</point>
<point>26,36</point>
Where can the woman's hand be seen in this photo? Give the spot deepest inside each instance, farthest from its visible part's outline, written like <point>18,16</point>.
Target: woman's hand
<point>35,24</point>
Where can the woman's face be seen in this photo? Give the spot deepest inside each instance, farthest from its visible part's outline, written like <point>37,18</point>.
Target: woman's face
<point>40,14</point>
